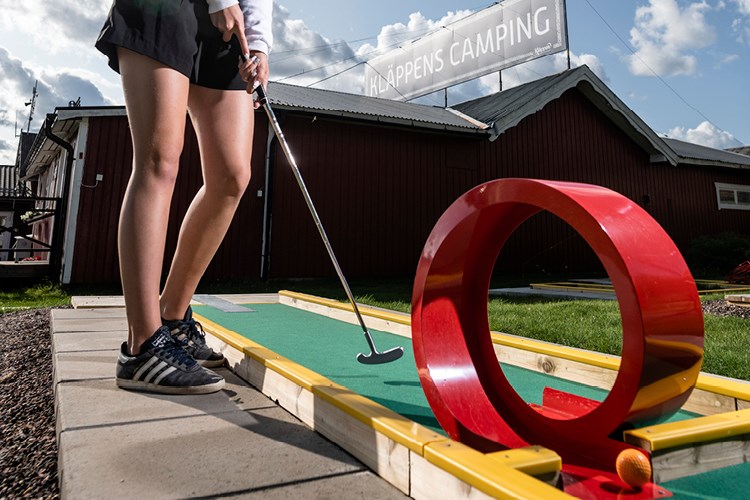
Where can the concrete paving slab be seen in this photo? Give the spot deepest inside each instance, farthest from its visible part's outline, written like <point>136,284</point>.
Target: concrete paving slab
<point>221,304</point>
<point>89,301</point>
<point>60,325</point>
<point>348,485</point>
<point>99,402</point>
<point>201,456</point>
<point>739,298</point>
<point>249,298</point>
<point>91,312</point>
<point>115,301</point>
<point>87,341</point>
<point>73,366</point>
<point>236,442</point>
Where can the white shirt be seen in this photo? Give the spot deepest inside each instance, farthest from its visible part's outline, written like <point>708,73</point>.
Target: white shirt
<point>258,26</point>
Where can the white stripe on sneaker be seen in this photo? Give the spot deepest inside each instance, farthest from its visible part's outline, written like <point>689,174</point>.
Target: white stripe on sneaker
<point>154,371</point>
<point>164,374</point>
<point>148,364</point>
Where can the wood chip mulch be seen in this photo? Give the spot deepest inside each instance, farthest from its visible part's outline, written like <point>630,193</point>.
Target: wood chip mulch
<point>28,448</point>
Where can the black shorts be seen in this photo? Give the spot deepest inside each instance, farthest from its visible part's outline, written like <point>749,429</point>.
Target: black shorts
<point>177,33</point>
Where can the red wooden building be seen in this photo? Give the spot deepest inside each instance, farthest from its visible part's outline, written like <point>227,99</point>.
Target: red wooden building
<point>382,172</point>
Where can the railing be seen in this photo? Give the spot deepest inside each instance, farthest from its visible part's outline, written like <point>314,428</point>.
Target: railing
<point>26,244</point>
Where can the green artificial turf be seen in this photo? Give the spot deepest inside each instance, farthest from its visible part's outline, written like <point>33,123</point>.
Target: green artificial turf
<point>716,484</point>
<point>329,347</point>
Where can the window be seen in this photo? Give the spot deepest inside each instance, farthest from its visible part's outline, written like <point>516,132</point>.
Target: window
<point>733,196</point>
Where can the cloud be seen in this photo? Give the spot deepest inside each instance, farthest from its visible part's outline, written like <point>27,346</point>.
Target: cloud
<point>705,134</point>
<point>301,56</point>
<point>664,36</point>
<point>741,24</point>
<point>7,152</point>
<point>55,87</point>
<point>743,6</point>
<point>58,26</point>
<point>393,35</point>
<point>726,59</point>
<point>5,118</point>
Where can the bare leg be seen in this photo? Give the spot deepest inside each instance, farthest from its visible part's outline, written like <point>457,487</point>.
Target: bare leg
<point>156,100</point>
<point>223,121</point>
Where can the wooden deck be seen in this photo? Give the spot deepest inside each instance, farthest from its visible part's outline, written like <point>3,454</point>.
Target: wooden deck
<point>29,269</point>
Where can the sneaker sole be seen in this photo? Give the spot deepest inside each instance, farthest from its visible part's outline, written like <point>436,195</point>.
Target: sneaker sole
<point>134,385</point>
<point>211,363</point>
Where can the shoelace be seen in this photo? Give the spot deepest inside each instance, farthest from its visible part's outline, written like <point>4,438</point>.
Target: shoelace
<point>174,352</point>
<point>194,331</point>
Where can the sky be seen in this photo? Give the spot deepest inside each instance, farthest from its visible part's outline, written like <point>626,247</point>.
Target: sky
<point>682,66</point>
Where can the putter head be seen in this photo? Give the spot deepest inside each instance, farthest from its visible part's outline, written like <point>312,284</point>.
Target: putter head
<point>377,358</point>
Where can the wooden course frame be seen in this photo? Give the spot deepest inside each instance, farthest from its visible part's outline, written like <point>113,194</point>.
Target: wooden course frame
<point>420,462</point>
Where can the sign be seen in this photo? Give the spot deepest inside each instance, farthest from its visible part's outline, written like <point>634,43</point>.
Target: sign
<point>503,35</point>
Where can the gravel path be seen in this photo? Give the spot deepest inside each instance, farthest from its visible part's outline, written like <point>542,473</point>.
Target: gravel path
<point>28,449</point>
<point>722,308</point>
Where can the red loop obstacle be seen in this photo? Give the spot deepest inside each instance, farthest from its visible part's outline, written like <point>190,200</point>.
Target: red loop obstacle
<point>659,305</point>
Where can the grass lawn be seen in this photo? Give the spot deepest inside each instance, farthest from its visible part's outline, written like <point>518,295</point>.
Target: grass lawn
<point>587,324</point>
<point>14,298</point>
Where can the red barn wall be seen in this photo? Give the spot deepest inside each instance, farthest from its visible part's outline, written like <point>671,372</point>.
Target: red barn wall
<point>380,189</point>
<point>109,152</point>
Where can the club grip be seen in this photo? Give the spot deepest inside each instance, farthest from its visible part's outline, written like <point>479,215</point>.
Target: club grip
<point>261,91</point>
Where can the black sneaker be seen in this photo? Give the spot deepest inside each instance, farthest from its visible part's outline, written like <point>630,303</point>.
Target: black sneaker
<point>190,334</point>
<point>163,366</point>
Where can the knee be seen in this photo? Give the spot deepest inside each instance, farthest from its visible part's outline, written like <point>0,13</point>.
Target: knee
<point>161,166</point>
<point>234,184</point>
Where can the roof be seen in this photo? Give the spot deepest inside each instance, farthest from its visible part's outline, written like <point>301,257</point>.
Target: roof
<point>743,150</point>
<point>491,115</point>
<point>8,180</point>
<point>330,102</point>
<point>43,151</point>
<point>505,109</point>
<point>704,155</point>
<point>25,141</point>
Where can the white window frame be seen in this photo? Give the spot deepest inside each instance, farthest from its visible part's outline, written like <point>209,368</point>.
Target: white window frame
<point>735,188</point>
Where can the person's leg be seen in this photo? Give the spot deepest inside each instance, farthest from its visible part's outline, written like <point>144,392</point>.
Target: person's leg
<point>156,99</point>
<point>223,121</point>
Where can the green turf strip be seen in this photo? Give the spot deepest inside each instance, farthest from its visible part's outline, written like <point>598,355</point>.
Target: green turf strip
<point>728,482</point>
<point>329,347</point>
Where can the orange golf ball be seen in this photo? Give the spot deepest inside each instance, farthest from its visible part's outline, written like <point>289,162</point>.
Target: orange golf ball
<point>633,467</point>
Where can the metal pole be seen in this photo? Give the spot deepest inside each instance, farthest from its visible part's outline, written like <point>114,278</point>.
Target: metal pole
<point>375,357</point>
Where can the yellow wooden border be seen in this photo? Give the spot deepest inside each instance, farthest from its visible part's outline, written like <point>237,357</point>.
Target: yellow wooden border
<point>702,429</point>
<point>707,382</point>
<point>533,460</point>
<point>491,476</point>
<point>393,316</point>
<point>497,476</point>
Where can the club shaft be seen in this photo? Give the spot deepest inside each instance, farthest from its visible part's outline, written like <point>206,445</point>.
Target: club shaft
<point>305,193</point>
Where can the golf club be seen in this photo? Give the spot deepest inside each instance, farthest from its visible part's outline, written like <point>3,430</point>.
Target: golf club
<point>375,356</point>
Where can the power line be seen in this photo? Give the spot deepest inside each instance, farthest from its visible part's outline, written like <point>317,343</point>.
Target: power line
<point>395,44</point>
<point>414,37</point>
<point>657,75</point>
